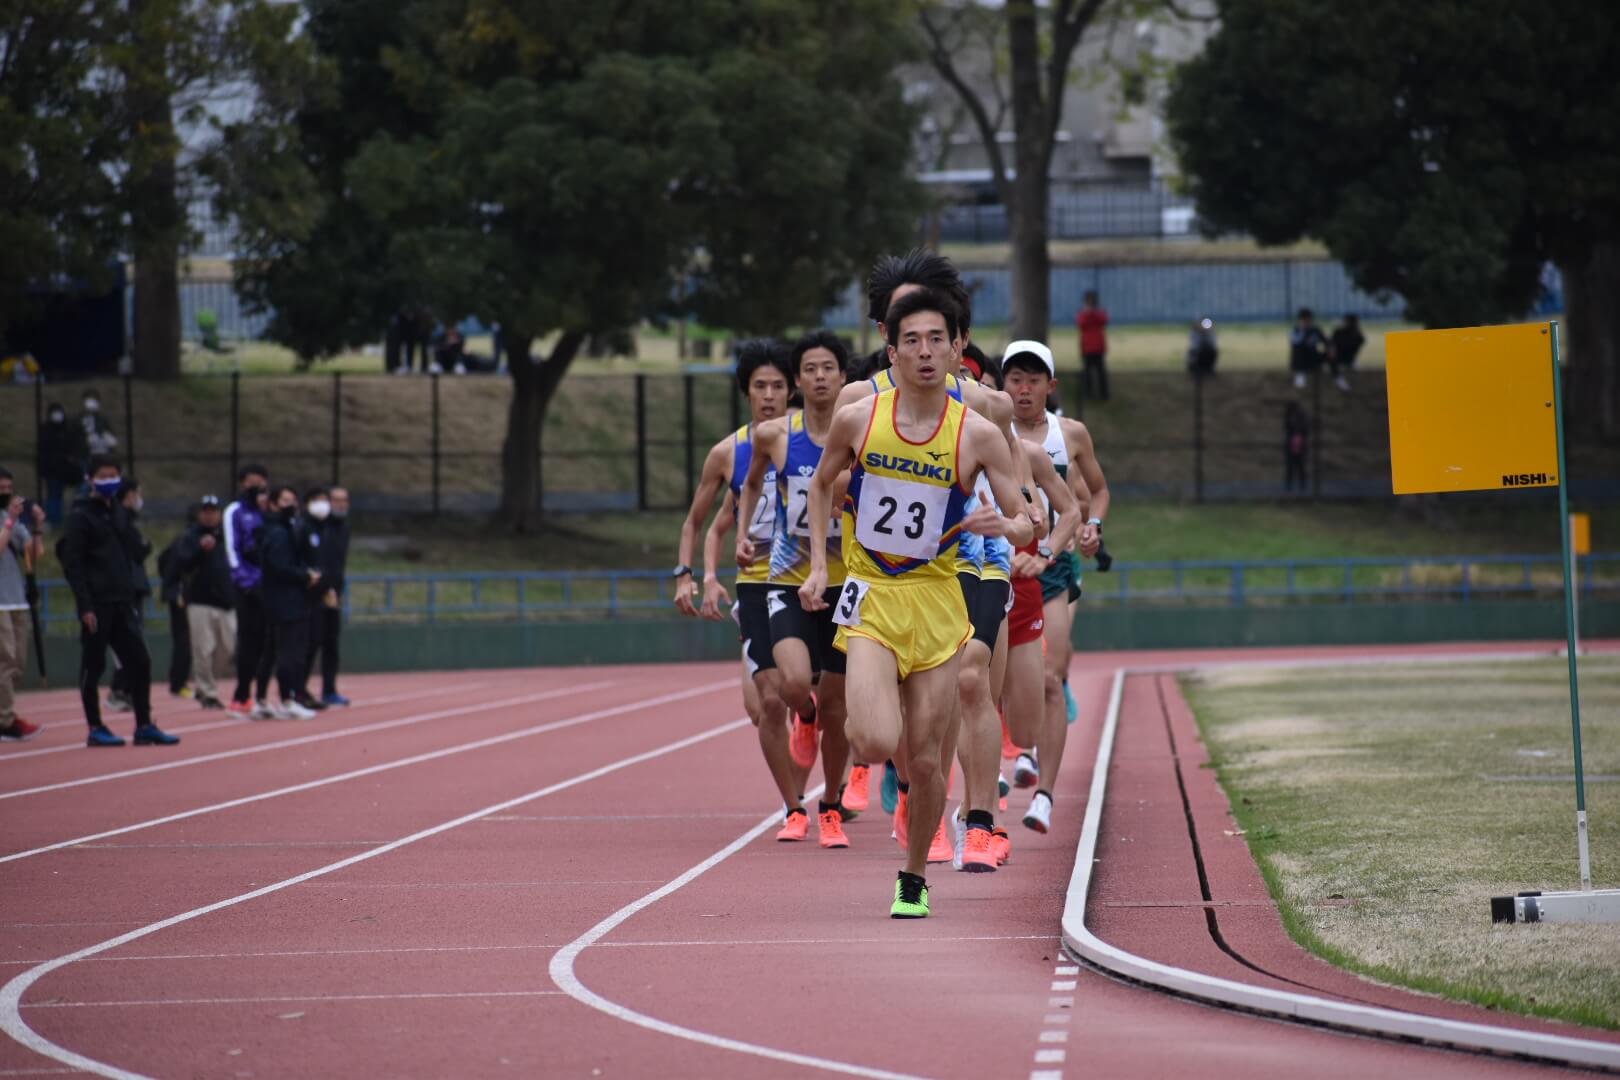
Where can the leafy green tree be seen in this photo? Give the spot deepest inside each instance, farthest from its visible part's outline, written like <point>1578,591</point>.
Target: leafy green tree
<point>1443,150</point>
<point>59,214</point>
<point>566,169</point>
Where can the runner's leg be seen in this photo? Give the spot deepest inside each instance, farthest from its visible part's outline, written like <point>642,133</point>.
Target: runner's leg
<point>930,697</point>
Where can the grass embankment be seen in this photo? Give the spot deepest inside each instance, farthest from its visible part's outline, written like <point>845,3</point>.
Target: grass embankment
<point>1420,792</point>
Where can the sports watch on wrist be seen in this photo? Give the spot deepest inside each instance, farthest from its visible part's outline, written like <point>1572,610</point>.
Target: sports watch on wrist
<point>681,571</point>
<point>1097,522</point>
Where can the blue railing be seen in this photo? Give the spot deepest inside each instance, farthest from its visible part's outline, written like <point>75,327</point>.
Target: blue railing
<point>540,594</point>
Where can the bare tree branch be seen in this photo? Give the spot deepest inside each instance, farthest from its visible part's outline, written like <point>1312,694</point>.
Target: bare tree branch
<point>1069,26</point>
<point>940,56</point>
<point>1180,12</point>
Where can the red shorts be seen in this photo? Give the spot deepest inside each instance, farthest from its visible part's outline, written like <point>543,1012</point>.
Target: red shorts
<point>1028,616</point>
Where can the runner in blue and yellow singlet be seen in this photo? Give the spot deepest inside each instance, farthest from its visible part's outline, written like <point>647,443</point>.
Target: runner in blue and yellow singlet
<point>913,454</point>
<point>786,453</point>
<point>762,375</point>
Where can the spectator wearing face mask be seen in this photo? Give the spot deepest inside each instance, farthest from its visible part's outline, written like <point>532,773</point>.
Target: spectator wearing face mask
<point>286,583</point>
<point>210,598</point>
<point>99,439</point>
<point>327,519</point>
<point>139,547</point>
<point>243,520</point>
<point>95,555</point>
<point>62,453</point>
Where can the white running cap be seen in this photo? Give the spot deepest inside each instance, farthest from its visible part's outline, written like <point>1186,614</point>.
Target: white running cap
<point>1034,347</point>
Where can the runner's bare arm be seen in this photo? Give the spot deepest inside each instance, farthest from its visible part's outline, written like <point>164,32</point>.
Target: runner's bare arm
<point>1083,458</point>
<point>987,450</point>
<point>715,598</point>
<point>853,392</point>
<point>712,481</point>
<point>1065,506</point>
<point>770,446</point>
<point>996,407</point>
<point>848,427</point>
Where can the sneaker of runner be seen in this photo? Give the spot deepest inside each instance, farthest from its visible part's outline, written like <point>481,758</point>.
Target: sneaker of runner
<point>789,448</point>
<point>913,455</point>
<point>1031,378</point>
<point>764,378</point>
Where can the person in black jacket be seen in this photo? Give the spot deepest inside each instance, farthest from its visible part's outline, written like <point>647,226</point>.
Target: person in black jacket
<point>171,589</point>
<point>210,600</point>
<point>326,519</point>
<point>286,584</point>
<point>61,459</point>
<point>96,561</point>
<point>139,548</point>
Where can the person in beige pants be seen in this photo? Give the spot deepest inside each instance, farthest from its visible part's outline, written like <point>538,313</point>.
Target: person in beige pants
<point>209,599</point>
<point>18,549</point>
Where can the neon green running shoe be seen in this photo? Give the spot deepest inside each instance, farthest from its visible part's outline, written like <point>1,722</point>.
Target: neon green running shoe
<point>910,899</point>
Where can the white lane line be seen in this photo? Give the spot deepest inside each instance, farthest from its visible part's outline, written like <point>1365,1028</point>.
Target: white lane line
<point>1067,969</point>
<point>472,884</point>
<point>203,845</point>
<point>1054,1037</point>
<point>316,998</point>
<point>908,943</point>
<point>305,740</point>
<point>562,973</point>
<point>416,759</point>
<point>1050,1057</point>
<point>243,722</point>
<point>1065,984</point>
<point>12,1023</point>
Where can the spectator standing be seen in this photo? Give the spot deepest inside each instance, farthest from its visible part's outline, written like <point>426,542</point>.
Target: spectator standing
<point>1307,347</point>
<point>286,584</point>
<point>172,591</point>
<point>1092,322</point>
<point>243,520</point>
<point>1296,444</point>
<point>139,547</point>
<point>99,440</point>
<point>62,452</point>
<point>209,597</point>
<point>326,612</point>
<point>96,562</point>
<point>17,550</point>
<point>1203,350</point>
<point>1343,349</point>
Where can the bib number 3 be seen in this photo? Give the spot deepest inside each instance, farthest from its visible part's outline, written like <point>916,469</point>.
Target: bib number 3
<point>847,609</point>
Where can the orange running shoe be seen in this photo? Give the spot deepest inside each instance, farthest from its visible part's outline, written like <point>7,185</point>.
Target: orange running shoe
<point>857,794</point>
<point>797,826</point>
<point>901,821</point>
<point>830,829</point>
<point>978,852</point>
<point>803,740</point>
<point>941,850</point>
<point>1001,845</point>
<point>1009,749</point>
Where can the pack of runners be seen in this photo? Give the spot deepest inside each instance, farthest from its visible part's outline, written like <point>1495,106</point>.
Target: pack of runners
<point>906,548</point>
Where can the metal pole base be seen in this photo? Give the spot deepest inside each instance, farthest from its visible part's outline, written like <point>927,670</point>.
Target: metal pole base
<point>1594,906</point>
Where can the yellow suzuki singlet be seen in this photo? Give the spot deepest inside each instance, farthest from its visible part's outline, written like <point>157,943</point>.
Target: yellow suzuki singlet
<point>902,522</point>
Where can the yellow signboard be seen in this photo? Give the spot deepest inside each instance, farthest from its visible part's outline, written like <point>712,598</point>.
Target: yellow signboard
<point>1580,534</point>
<point>1471,409</point>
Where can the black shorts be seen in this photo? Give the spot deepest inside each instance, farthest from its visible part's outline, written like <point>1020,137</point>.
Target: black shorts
<point>986,601</point>
<point>815,628</point>
<point>754,625</point>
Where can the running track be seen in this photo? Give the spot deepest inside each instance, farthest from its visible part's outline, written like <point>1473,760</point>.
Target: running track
<point>553,873</point>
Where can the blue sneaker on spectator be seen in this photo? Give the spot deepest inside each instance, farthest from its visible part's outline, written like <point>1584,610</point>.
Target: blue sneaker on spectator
<point>152,735</point>
<point>334,699</point>
<point>889,794</point>
<point>101,736</point>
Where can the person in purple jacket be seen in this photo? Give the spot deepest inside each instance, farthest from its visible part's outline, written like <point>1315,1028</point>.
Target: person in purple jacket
<point>243,520</point>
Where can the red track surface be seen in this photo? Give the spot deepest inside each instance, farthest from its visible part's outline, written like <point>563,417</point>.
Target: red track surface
<point>431,957</point>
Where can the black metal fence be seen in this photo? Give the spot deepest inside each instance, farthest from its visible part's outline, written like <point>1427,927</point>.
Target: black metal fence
<point>626,442</point>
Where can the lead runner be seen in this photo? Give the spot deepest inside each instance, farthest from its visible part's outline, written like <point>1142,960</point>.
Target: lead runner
<point>914,453</point>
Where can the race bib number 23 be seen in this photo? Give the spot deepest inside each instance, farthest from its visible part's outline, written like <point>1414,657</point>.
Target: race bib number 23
<point>847,608</point>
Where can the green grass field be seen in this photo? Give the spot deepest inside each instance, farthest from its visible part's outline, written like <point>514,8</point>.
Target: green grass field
<point>1420,791</point>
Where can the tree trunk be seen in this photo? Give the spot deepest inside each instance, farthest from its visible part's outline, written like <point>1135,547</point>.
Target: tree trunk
<point>155,214</point>
<point>1031,262</point>
<point>534,384</point>
<point>1592,348</point>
